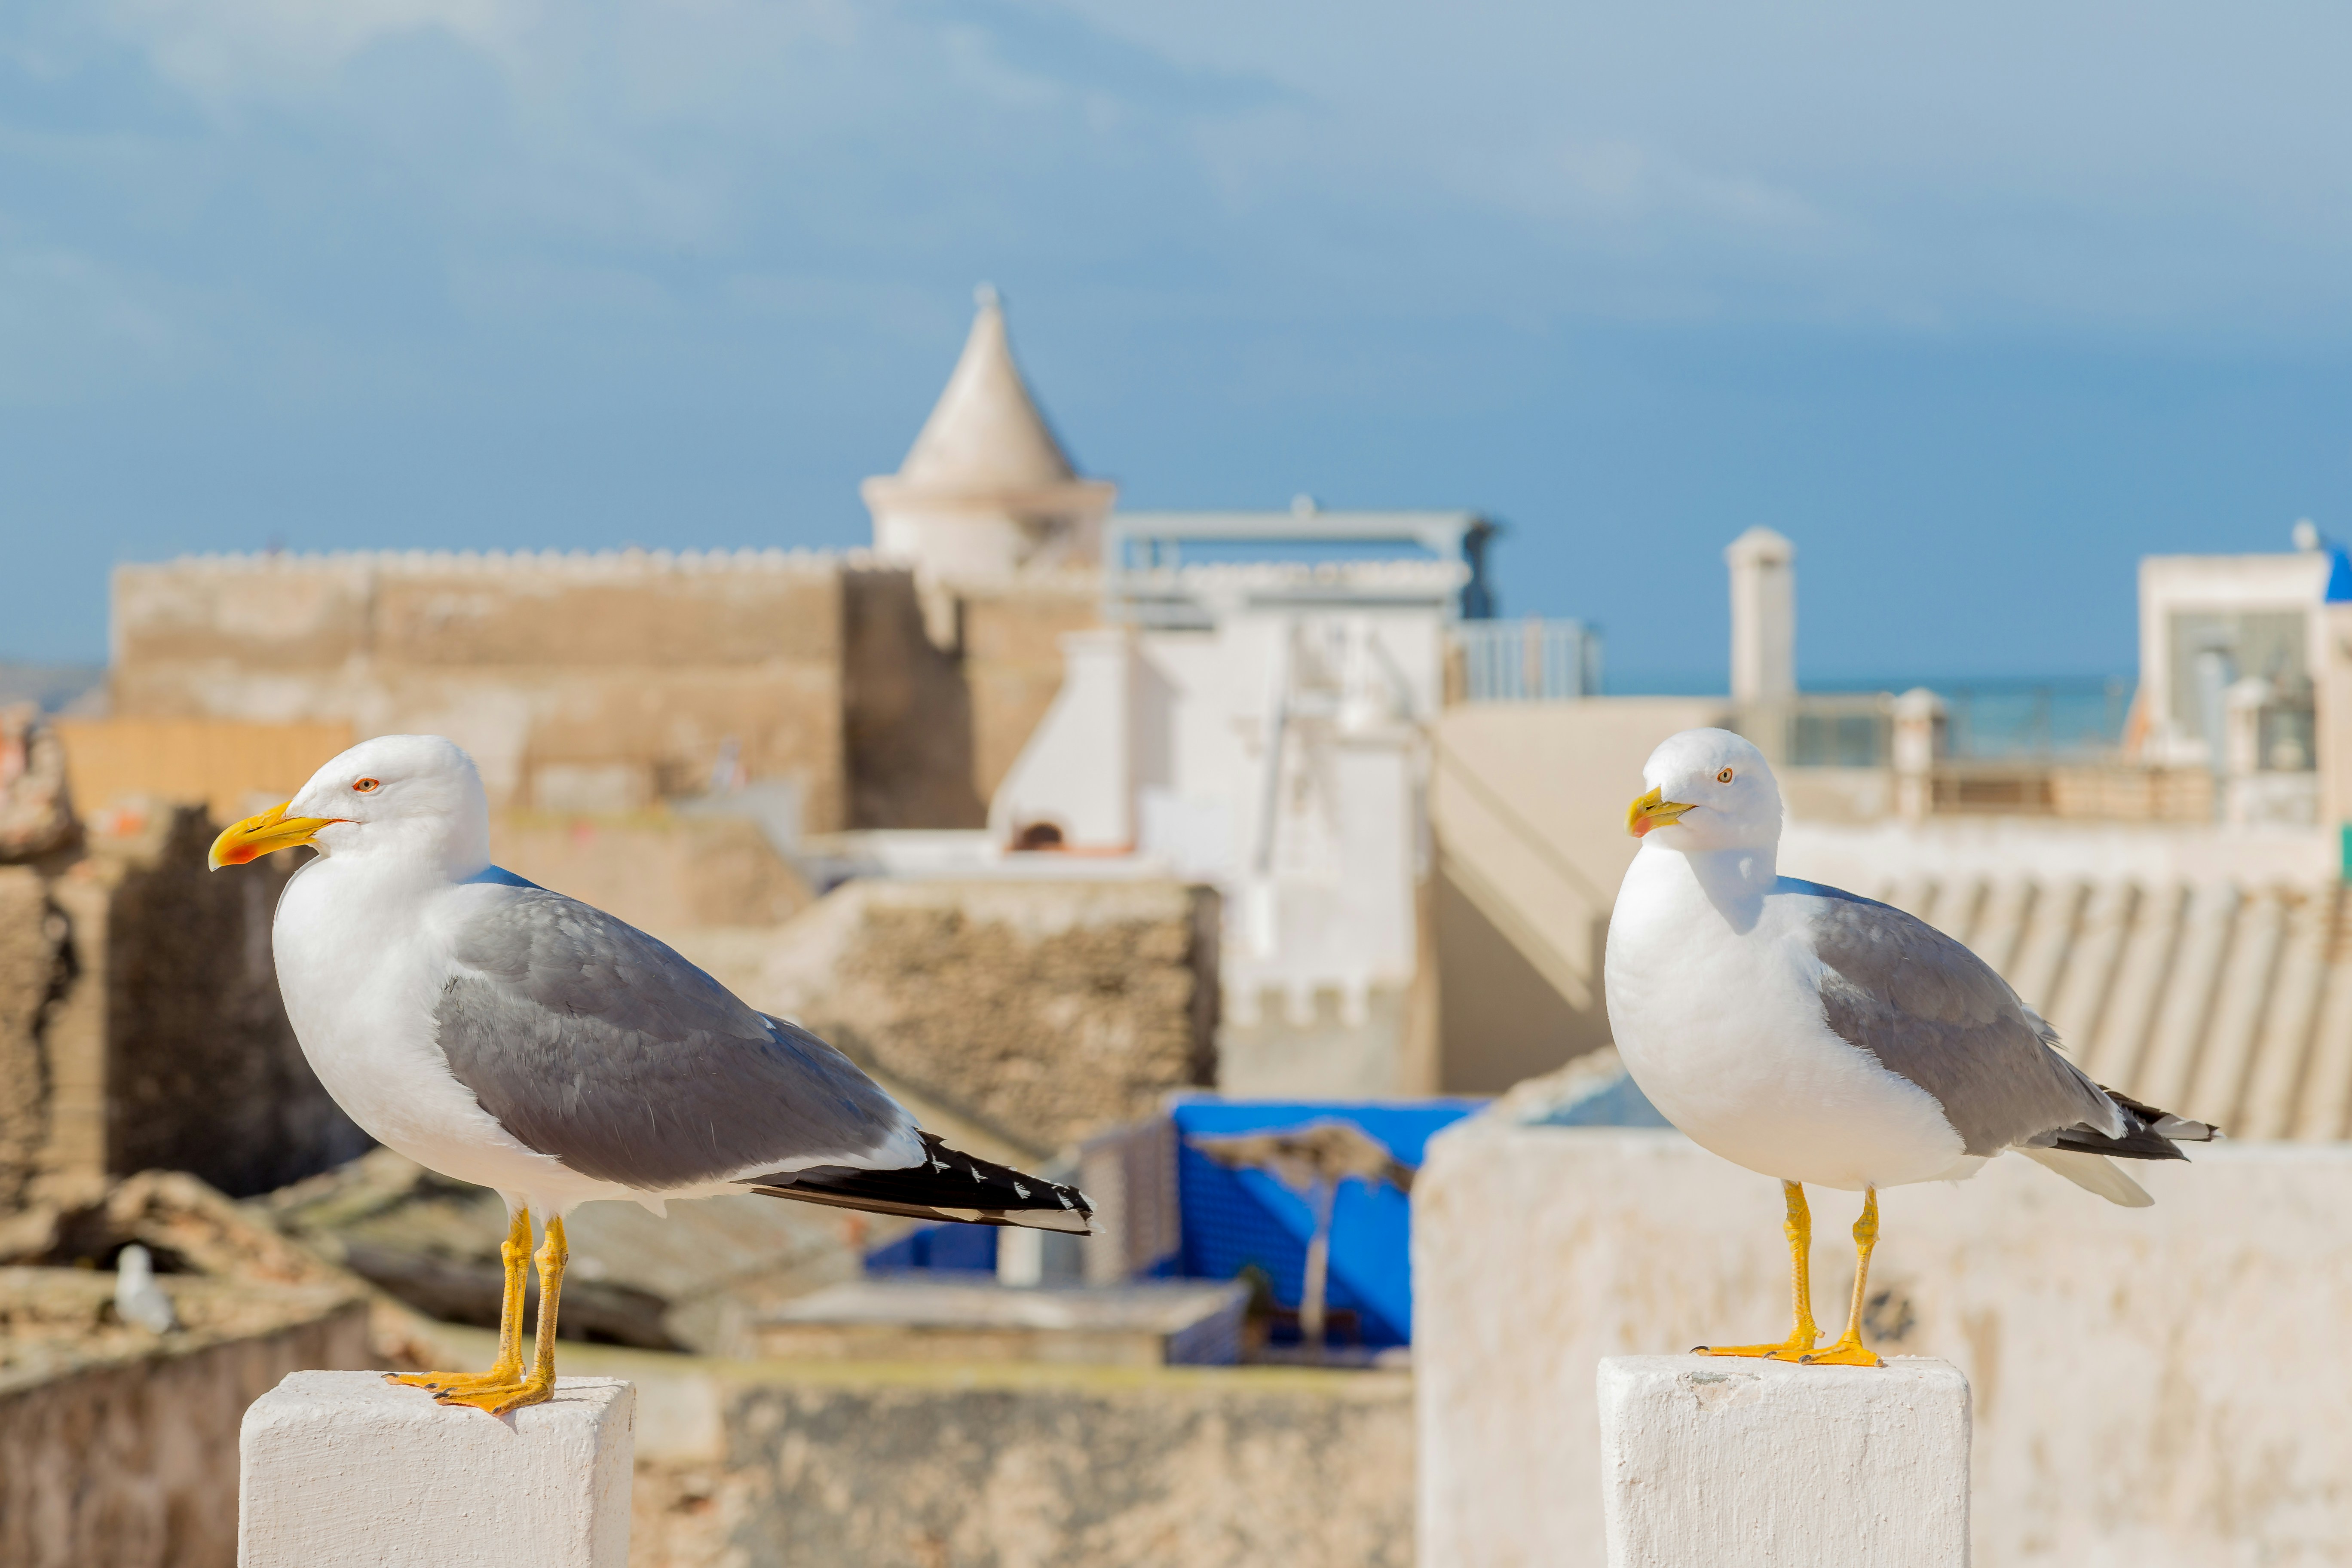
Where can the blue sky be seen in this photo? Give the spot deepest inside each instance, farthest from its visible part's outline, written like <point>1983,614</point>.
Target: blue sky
<point>1977,305</point>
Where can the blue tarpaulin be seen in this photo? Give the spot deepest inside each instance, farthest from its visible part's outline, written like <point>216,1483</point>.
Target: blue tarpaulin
<point>1231,1219</point>
<point>957,1247</point>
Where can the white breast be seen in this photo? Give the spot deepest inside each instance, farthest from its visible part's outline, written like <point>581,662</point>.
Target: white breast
<point>361,966</point>
<point>1724,1031</point>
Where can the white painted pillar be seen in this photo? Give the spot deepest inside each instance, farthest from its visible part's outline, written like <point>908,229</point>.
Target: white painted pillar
<point>1763,617</point>
<point>1919,744</point>
<point>341,1469</point>
<point>2334,676</point>
<point>1740,1464</point>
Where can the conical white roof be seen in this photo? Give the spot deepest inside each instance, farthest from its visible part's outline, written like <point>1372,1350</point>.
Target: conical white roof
<point>986,435</point>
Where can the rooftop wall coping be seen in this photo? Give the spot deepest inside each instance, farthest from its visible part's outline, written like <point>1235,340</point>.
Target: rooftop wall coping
<point>214,1312</point>
<point>1282,573</point>
<point>660,1374</point>
<point>604,563</point>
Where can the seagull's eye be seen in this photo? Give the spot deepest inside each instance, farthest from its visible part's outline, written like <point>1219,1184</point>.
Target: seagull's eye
<point>1723,777</point>
<point>369,786</point>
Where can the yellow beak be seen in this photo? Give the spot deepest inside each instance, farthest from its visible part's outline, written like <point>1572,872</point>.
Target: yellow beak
<point>1653,810</point>
<point>258,835</point>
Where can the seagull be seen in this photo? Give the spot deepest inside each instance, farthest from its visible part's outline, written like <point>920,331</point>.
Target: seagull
<point>1817,1036</point>
<point>137,1298</point>
<point>508,1035</point>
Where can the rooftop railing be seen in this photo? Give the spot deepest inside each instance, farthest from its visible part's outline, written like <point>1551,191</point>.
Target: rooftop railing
<point>1529,661</point>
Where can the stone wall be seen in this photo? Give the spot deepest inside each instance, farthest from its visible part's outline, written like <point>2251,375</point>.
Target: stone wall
<point>661,871</point>
<point>600,680</point>
<point>141,1025</point>
<point>229,767</point>
<point>603,683</point>
<point>907,717</point>
<point>34,969</point>
<point>1044,1010</point>
<point>119,1447</point>
<point>203,1074</point>
<point>1082,1466</point>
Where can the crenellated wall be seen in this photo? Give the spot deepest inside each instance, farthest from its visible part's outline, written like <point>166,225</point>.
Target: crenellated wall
<point>601,683</point>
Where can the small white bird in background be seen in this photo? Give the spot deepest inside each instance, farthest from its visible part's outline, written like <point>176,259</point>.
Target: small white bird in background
<point>509,1036</point>
<point>1817,1036</point>
<point>137,1298</point>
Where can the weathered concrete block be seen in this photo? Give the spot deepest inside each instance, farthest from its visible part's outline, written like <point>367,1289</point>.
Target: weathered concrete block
<point>1744,1464</point>
<point>343,1468</point>
<point>1054,1009</point>
<point>2106,1430</point>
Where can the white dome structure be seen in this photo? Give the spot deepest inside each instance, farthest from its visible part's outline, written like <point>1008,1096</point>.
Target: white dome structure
<point>986,490</point>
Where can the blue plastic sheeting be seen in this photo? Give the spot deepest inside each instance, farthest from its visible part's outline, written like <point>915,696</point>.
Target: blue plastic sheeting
<point>1234,1218</point>
<point>937,1246</point>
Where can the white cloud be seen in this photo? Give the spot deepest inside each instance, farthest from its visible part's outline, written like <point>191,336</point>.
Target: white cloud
<point>523,161</point>
<point>232,51</point>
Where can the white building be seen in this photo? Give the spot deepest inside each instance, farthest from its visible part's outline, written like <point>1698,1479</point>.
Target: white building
<point>1262,727</point>
<point>2232,652</point>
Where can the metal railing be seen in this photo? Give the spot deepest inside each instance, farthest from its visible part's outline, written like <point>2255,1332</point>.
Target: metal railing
<point>1841,730</point>
<point>1995,723</point>
<point>2010,719</point>
<point>1529,661</point>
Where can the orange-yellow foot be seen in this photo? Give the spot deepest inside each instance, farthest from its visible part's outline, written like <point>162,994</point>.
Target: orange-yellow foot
<point>1845,1352</point>
<point>500,1398</point>
<point>452,1381</point>
<point>1794,1348</point>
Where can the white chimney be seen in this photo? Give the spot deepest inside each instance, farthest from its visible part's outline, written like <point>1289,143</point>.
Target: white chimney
<point>1763,617</point>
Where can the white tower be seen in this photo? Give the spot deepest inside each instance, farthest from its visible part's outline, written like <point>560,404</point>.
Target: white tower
<point>1763,617</point>
<point>986,491</point>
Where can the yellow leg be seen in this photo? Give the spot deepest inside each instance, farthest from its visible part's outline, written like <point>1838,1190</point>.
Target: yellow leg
<point>1798,1229</point>
<point>508,1368</point>
<point>541,1385</point>
<point>1849,1351</point>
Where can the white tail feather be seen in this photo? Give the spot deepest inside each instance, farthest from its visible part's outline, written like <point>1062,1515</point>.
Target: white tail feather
<point>2093,1174</point>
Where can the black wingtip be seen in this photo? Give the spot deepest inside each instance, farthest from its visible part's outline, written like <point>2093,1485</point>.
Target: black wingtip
<point>950,1186</point>
<point>2148,1133</point>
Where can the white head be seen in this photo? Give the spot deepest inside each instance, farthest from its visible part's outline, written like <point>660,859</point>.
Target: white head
<point>1709,789</point>
<point>413,796</point>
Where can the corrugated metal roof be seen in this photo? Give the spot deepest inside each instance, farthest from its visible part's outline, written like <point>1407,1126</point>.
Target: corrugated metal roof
<point>2229,1003</point>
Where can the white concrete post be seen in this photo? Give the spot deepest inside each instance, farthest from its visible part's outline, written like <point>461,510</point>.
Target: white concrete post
<point>2242,725</point>
<point>1742,1464</point>
<point>341,1469</point>
<point>2241,743</point>
<point>1763,617</point>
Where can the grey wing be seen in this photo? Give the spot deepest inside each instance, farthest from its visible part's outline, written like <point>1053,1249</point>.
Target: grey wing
<point>1935,1014</point>
<point>594,1043</point>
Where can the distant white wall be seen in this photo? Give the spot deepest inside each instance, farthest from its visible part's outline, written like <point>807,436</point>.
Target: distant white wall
<point>1077,772</point>
<point>2153,1386</point>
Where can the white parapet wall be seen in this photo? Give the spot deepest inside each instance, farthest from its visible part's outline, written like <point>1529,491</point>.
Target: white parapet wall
<point>1758,1464</point>
<point>2152,1387</point>
<point>341,1469</point>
